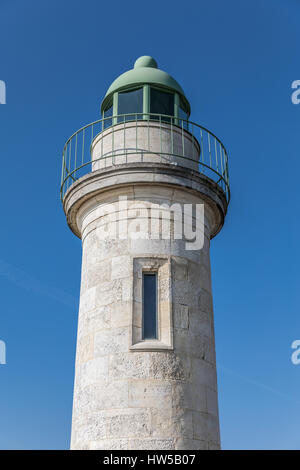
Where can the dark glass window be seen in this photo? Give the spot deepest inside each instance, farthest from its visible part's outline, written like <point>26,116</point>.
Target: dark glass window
<point>149,306</point>
<point>183,115</point>
<point>161,102</point>
<point>107,113</point>
<point>130,102</point>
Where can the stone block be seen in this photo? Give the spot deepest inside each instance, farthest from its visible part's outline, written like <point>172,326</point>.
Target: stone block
<point>128,423</point>
<point>109,444</point>
<point>98,273</point>
<point>127,366</point>
<point>211,401</point>
<point>94,320</point>
<point>120,314</point>
<point>150,394</point>
<point>166,365</point>
<point>203,373</point>
<point>181,316</point>
<point>89,427</point>
<point>101,396</point>
<point>206,427</point>
<point>190,444</point>
<point>87,300</point>
<point>174,422</point>
<point>151,444</point>
<point>94,371</point>
<point>85,349</point>
<point>121,267</point>
<point>113,341</point>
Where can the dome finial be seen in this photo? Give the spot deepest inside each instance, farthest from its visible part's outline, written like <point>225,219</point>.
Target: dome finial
<point>145,61</point>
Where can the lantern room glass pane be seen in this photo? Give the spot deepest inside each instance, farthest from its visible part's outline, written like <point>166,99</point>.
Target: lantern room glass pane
<point>130,102</point>
<point>149,305</point>
<point>161,102</point>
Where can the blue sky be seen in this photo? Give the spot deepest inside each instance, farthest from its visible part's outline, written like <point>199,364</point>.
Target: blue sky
<point>236,62</point>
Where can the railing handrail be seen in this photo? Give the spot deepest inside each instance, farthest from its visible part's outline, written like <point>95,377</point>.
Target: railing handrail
<point>143,114</point>
<point>70,166</point>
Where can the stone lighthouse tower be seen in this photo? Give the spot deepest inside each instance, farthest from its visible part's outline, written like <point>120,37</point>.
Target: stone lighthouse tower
<point>145,189</point>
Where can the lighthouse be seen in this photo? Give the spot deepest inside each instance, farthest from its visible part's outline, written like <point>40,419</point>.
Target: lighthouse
<point>145,188</point>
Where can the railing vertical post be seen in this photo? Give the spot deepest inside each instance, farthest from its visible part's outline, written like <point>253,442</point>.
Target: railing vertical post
<point>193,150</point>
<point>124,139</point>
<point>82,150</point>
<point>201,150</point>
<point>75,162</point>
<point>221,160</point>
<point>209,149</point>
<point>216,155</point>
<point>176,108</point>
<point>148,133</point>
<point>63,171</point>
<point>69,167</point>
<point>160,136</point>
<point>113,146</point>
<point>136,138</point>
<point>172,137</point>
<point>182,138</point>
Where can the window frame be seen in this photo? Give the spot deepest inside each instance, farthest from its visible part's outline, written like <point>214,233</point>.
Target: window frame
<point>162,266</point>
<point>146,102</point>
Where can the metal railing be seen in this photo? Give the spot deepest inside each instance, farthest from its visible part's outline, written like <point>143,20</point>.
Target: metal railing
<point>211,161</point>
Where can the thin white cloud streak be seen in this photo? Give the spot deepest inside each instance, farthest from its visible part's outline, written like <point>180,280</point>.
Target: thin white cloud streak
<point>23,280</point>
<point>258,384</point>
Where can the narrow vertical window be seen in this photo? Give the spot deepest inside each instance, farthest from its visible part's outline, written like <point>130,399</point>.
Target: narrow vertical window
<point>149,305</point>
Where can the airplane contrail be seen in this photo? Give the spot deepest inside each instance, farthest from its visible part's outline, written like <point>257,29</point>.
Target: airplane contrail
<point>258,384</point>
<point>25,281</point>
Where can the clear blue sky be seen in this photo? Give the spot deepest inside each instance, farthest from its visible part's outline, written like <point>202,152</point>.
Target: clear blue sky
<point>236,61</point>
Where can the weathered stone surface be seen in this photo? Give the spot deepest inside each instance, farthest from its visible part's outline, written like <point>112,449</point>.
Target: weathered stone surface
<point>181,316</point>
<point>205,301</point>
<point>89,427</point>
<point>194,396</point>
<point>152,394</point>
<point>211,401</point>
<point>129,423</point>
<point>121,267</point>
<point>166,365</point>
<point>132,365</point>
<point>104,396</point>
<point>120,314</point>
<point>174,422</point>
<point>94,320</point>
<point>85,349</point>
<point>112,341</point>
<point>94,371</point>
<point>203,373</point>
<point>206,427</point>
<point>164,396</point>
<point>112,444</point>
<point>151,444</point>
<point>191,444</point>
<point>200,323</point>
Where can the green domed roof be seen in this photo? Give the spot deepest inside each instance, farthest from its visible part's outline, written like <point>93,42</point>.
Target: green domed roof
<point>145,71</point>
